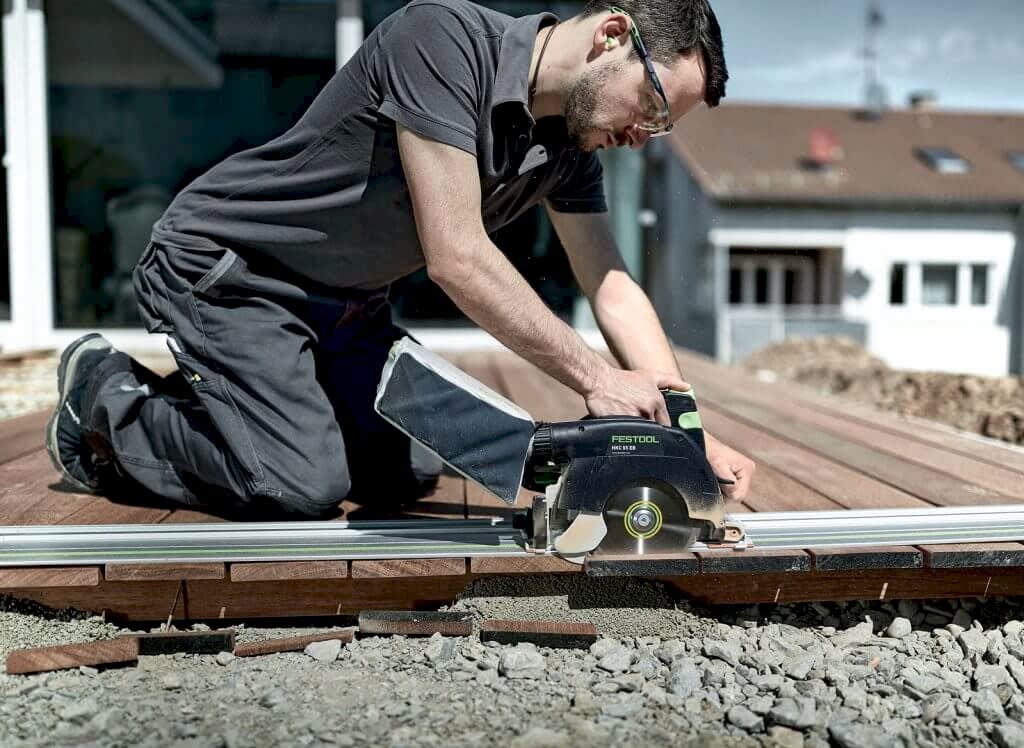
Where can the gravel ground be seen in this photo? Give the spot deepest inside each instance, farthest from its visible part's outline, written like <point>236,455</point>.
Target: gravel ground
<point>938,673</point>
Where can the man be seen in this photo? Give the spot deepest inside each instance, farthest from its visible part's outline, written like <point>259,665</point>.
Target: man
<point>269,273</point>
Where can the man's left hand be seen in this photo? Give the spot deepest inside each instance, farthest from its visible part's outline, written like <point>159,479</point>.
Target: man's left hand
<point>731,465</point>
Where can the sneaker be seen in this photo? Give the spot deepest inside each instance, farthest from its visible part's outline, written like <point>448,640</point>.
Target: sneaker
<point>83,458</point>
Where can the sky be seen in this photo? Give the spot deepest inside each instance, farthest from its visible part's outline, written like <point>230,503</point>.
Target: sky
<point>970,53</point>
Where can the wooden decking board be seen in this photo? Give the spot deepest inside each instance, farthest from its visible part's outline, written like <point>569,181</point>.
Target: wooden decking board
<point>31,493</point>
<point>753,561</point>
<point>651,565</point>
<point>997,479</point>
<point>263,571</point>
<point>950,440</point>
<point>847,559</point>
<point>49,576</point>
<point>136,572</point>
<point>23,435</point>
<point>919,430</point>
<point>409,567</point>
<point>488,565</point>
<point>938,488</point>
<point>973,555</point>
<point>774,489</point>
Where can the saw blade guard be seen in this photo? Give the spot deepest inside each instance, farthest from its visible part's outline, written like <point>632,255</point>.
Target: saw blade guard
<point>477,432</point>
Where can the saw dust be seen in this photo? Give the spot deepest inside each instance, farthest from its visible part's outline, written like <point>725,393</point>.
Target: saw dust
<point>619,607</point>
<point>989,406</point>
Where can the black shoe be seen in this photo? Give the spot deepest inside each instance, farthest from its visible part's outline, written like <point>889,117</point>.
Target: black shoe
<point>83,458</point>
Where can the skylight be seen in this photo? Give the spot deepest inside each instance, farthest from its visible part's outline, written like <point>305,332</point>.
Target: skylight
<point>943,160</point>
<point>1016,158</point>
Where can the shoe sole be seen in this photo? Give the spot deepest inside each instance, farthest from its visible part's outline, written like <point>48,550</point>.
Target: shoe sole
<point>65,372</point>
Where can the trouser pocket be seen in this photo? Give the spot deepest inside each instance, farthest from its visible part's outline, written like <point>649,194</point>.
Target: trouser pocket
<point>214,393</point>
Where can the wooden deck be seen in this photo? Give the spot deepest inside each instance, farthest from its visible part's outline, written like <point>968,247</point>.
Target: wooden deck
<point>812,453</point>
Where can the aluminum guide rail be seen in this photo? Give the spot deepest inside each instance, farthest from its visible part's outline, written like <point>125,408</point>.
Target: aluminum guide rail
<point>438,538</point>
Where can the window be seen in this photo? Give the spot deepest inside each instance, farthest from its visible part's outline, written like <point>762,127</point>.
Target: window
<point>1016,158</point>
<point>938,285</point>
<point>761,285</point>
<point>979,285</point>
<point>898,284</point>
<point>943,160</point>
<point>735,285</point>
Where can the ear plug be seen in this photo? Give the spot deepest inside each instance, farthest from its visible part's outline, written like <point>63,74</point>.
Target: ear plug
<point>610,43</point>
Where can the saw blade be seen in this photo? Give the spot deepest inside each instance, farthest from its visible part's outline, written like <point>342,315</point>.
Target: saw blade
<point>646,519</point>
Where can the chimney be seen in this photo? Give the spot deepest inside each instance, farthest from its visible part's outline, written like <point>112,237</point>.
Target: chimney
<point>922,103</point>
<point>823,148</point>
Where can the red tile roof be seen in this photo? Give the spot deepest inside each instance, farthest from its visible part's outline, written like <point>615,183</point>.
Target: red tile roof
<point>758,153</point>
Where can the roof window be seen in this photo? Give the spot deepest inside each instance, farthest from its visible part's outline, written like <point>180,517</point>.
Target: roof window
<point>1016,158</point>
<point>943,160</point>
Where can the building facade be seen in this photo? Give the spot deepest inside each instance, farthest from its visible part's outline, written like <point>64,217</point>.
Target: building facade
<point>901,230</point>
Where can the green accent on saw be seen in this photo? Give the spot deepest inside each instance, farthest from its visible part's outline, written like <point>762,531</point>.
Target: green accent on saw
<point>689,421</point>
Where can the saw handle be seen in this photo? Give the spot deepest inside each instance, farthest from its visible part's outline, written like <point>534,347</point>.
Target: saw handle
<point>682,414</point>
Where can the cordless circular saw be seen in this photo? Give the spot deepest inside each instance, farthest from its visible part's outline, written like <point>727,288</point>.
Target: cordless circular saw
<point>625,485</point>
<point>612,485</point>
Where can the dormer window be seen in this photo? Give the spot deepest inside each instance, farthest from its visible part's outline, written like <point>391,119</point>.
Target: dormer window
<point>943,160</point>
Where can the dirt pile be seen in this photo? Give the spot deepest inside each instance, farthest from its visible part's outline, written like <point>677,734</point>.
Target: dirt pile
<point>990,406</point>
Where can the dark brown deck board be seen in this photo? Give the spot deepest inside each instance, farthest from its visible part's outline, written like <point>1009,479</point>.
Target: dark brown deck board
<point>973,555</point>
<point>848,559</point>
<point>22,435</point>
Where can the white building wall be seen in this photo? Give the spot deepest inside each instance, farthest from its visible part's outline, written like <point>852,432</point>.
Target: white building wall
<point>959,338</point>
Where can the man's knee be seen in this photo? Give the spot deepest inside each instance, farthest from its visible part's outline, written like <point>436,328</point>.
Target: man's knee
<point>316,492</point>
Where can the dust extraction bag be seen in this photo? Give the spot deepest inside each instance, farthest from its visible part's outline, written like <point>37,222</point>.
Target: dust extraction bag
<point>476,431</point>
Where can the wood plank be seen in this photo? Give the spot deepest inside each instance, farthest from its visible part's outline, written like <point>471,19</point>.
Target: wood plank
<point>650,565</point>
<point>814,480</point>
<point>933,433</point>
<point>22,435</point>
<point>49,576</point>
<point>188,642</point>
<point>408,567</point>
<point>31,493</point>
<point>969,555</point>
<point>948,438</point>
<point>881,557</point>
<point>45,659</point>
<point>554,634</point>
<point>404,623</point>
<point>935,487</point>
<point>263,571</point>
<point>134,572</point>
<point>536,564</point>
<point>17,357</point>
<point>447,501</point>
<point>753,561</point>
<point>869,584</point>
<point>208,599</point>
<point>292,643</point>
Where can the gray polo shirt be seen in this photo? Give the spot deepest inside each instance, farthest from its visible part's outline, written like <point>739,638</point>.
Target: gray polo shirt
<point>328,199</point>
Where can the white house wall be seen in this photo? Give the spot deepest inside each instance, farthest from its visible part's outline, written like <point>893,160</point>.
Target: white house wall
<point>960,338</point>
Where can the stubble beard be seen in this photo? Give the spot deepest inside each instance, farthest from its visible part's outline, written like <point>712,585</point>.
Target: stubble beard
<point>581,100</point>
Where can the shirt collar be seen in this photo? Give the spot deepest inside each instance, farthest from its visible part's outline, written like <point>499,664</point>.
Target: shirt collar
<point>511,80</point>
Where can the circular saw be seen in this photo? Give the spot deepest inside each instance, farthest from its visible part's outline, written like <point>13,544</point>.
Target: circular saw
<point>623,485</point>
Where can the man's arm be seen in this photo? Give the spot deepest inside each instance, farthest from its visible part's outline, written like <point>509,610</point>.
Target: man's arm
<point>444,187</point>
<point>629,323</point>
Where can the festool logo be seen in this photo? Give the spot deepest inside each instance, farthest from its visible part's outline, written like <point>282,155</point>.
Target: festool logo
<point>622,439</point>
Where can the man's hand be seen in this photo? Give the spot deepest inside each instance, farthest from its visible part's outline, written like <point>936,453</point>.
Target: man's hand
<point>633,393</point>
<point>731,465</point>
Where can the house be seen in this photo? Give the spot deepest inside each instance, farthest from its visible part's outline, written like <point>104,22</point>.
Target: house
<point>902,229</point>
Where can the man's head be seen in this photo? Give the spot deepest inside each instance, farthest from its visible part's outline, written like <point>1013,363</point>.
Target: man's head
<point>614,99</point>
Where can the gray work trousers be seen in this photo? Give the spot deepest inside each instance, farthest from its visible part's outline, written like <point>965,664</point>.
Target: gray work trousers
<point>272,405</point>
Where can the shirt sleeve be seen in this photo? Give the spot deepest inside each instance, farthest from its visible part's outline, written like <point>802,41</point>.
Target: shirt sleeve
<point>428,76</point>
<point>583,190</point>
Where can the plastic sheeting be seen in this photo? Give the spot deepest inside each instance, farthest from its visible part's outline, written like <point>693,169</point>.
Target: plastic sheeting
<point>476,431</point>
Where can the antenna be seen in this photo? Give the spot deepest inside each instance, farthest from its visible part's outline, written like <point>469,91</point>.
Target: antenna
<point>875,96</point>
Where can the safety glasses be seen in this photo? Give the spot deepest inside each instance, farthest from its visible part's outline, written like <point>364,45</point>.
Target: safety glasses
<point>656,116</point>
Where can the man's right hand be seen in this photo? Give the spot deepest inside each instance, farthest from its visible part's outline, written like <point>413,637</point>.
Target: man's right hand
<point>618,392</point>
